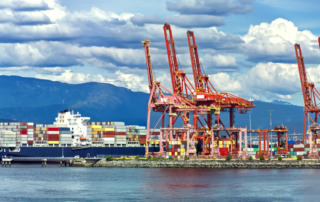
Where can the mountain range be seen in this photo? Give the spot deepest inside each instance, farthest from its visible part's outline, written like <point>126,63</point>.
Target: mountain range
<point>39,101</point>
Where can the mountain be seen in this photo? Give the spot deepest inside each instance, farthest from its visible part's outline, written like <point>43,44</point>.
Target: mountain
<point>39,101</point>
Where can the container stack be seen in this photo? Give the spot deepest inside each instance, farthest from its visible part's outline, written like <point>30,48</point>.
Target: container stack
<point>65,136</point>
<point>30,130</point>
<point>53,135</point>
<point>176,149</point>
<point>224,145</point>
<point>108,136</point>
<point>96,131</point>
<point>9,138</point>
<point>102,133</point>
<point>120,133</point>
<point>24,133</point>
<point>38,134</point>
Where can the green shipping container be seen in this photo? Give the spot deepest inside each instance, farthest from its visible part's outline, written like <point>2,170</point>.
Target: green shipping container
<point>306,149</point>
<point>170,146</point>
<point>275,149</point>
<point>255,149</point>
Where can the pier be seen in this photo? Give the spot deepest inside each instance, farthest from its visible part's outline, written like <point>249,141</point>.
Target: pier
<point>63,160</point>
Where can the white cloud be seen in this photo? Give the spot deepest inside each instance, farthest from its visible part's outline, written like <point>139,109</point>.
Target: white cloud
<point>212,7</point>
<point>218,62</point>
<point>265,81</point>
<point>275,41</point>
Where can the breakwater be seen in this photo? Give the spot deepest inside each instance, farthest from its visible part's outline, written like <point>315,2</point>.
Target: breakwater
<point>201,164</point>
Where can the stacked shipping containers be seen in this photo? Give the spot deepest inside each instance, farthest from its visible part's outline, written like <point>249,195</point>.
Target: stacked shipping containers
<point>176,149</point>
<point>53,135</point>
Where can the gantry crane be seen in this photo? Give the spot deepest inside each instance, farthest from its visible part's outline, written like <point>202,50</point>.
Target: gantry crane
<point>311,95</point>
<point>207,95</point>
<point>165,101</point>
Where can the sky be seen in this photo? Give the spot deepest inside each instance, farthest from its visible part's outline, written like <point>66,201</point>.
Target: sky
<point>245,46</point>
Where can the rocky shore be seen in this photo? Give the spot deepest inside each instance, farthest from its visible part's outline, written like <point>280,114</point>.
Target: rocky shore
<point>200,164</point>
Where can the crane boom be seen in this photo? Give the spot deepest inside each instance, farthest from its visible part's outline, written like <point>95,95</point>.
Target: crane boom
<point>172,59</point>
<point>305,86</point>
<point>146,45</point>
<point>193,49</point>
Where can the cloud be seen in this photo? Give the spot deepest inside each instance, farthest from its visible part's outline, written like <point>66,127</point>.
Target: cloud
<point>134,80</point>
<point>23,5</point>
<point>265,81</point>
<point>219,62</point>
<point>179,20</point>
<point>275,42</point>
<point>210,7</point>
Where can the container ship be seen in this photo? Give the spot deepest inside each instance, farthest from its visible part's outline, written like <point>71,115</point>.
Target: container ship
<point>72,135</point>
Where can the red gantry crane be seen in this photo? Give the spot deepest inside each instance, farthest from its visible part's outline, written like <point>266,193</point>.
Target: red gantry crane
<point>207,95</point>
<point>165,101</point>
<point>311,95</point>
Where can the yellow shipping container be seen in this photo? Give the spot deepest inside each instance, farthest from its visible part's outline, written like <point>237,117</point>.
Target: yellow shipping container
<point>94,132</point>
<point>170,154</point>
<point>97,129</point>
<point>220,146</point>
<point>108,129</point>
<point>176,153</point>
<point>170,142</point>
<point>53,142</point>
<point>179,142</point>
<point>95,126</point>
<point>220,143</point>
<point>182,150</point>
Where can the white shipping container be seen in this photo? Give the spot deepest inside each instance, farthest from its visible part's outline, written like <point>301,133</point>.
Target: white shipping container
<point>300,153</point>
<point>298,146</point>
<point>53,132</point>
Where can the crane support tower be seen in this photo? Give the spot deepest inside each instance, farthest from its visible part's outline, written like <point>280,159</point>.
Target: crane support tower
<point>310,94</point>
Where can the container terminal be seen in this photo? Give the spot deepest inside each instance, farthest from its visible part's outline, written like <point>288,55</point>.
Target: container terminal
<point>197,105</point>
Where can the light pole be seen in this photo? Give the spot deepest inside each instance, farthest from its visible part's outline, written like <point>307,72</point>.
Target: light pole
<point>250,127</point>
<point>271,129</point>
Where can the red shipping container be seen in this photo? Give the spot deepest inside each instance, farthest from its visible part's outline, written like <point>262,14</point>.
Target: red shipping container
<point>142,141</point>
<point>23,133</point>
<point>111,136</point>
<point>30,142</point>
<point>298,149</point>
<point>121,133</point>
<point>53,129</point>
<point>30,127</point>
<point>23,124</point>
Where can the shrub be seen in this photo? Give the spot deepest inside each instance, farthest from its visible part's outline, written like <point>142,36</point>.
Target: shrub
<point>123,157</point>
<point>186,158</point>
<point>229,157</point>
<point>136,158</point>
<point>262,158</point>
<point>149,158</point>
<point>279,158</point>
<point>171,159</point>
<point>250,158</point>
<point>299,158</point>
<point>109,158</point>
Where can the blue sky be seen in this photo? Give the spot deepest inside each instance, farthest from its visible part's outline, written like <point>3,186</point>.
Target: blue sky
<point>245,46</point>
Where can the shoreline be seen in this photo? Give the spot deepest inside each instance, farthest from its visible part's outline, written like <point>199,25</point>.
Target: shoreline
<point>233,164</point>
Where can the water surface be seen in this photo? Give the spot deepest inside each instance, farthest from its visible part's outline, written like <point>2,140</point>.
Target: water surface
<point>33,183</point>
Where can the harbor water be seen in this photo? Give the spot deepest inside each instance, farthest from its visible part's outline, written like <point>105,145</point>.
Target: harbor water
<point>31,182</point>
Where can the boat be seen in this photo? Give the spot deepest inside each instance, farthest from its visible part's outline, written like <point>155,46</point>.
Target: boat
<point>72,135</point>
